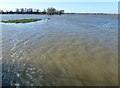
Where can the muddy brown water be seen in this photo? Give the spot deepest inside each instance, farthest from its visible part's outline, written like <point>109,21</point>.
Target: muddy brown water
<point>67,50</point>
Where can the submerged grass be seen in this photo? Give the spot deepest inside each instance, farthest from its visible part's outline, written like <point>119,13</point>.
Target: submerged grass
<point>20,21</point>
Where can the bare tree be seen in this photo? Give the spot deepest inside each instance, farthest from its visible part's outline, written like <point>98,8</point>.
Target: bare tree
<point>1,11</point>
<point>51,11</point>
<point>17,11</point>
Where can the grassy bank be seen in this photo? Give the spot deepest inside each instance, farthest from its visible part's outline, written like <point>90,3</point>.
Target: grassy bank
<point>20,21</point>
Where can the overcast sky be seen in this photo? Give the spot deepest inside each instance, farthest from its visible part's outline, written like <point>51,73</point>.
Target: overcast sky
<point>71,6</point>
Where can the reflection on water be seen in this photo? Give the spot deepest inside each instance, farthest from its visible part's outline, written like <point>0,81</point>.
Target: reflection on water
<point>66,50</point>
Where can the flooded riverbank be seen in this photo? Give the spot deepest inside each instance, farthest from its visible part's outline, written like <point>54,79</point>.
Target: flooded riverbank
<point>67,50</point>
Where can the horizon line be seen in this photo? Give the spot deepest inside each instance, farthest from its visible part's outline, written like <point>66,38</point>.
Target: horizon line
<point>59,9</point>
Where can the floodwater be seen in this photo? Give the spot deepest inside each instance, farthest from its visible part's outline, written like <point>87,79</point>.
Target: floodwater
<point>67,50</point>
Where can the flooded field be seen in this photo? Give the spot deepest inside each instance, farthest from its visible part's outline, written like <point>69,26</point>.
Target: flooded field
<point>67,50</point>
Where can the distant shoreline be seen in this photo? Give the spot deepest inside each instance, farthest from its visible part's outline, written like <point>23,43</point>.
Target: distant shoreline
<point>93,13</point>
<point>69,13</point>
<point>50,11</point>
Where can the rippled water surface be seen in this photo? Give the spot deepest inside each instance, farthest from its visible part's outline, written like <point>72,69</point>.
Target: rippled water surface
<point>67,50</point>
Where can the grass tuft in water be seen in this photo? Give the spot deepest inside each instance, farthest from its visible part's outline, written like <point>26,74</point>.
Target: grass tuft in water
<point>20,21</point>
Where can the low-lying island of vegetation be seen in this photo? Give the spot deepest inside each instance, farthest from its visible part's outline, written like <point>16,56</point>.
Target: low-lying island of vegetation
<point>20,21</point>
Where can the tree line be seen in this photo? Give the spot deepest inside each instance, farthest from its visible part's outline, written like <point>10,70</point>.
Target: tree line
<point>49,11</point>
